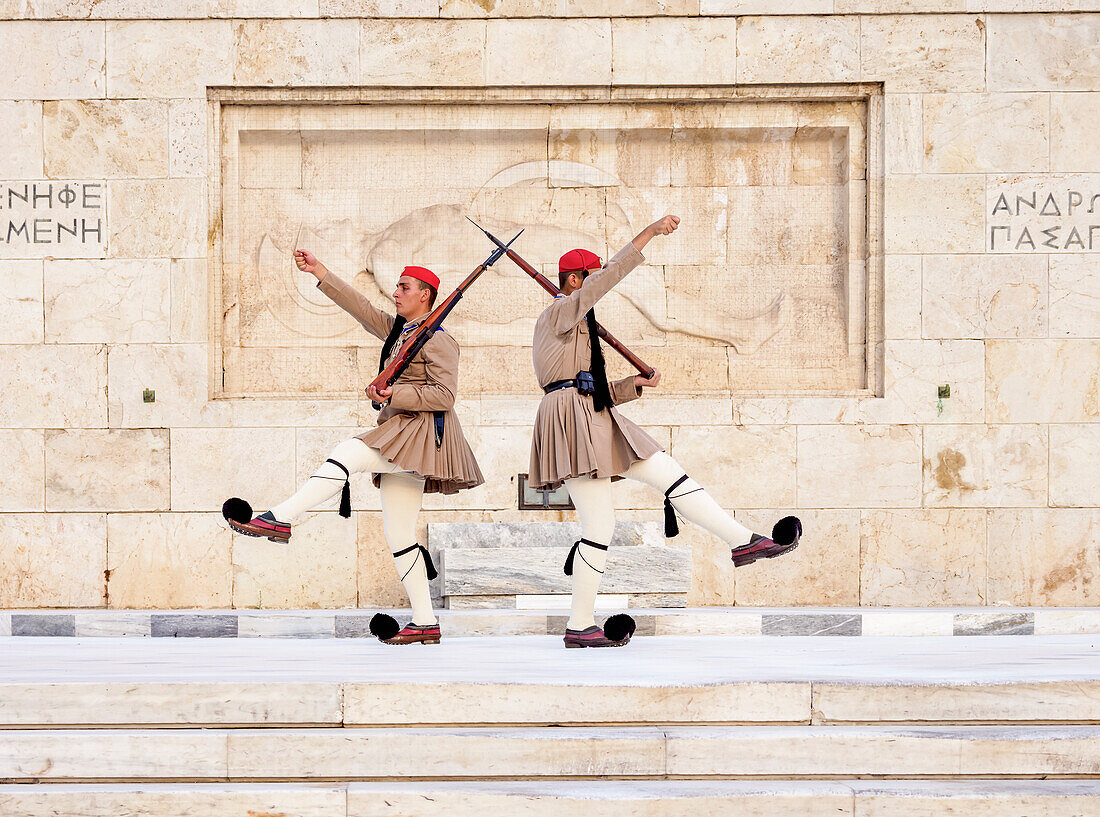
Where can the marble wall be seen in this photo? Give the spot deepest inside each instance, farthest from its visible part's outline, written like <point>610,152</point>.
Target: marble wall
<point>988,239</point>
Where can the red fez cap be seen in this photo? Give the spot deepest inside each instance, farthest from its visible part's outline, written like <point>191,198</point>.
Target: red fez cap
<point>423,274</point>
<point>577,260</point>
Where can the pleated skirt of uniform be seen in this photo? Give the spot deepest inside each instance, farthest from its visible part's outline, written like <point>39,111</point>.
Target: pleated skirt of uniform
<point>408,441</point>
<point>571,439</point>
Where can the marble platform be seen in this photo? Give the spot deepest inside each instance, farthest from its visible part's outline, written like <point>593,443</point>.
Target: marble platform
<point>645,752</point>
<point>666,798</point>
<point>496,621</point>
<point>854,679</point>
<point>669,726</point>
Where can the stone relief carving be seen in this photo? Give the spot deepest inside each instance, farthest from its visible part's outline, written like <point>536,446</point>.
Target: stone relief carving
<point>769,267</point>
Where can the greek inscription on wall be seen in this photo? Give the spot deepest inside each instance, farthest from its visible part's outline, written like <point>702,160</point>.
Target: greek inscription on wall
<point>53,218</point>
<point>1048,214</point>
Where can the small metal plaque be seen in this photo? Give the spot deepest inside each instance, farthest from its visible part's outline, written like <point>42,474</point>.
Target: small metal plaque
<point>533,500</point>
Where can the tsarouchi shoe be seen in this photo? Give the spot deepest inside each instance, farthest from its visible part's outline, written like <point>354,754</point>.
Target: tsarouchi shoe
<point>258,526</point>
<point>238,514</point>
<point>785,536</point>
<point>415,634</point>
<point>591,637</point>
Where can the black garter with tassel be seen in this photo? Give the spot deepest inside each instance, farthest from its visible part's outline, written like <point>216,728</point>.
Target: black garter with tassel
<point>672,528</point>
<point>429,565</point>
<point>575,551</point>
<point>345,492</point>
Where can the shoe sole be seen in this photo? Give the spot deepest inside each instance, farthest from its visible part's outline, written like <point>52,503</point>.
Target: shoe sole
<point>407,643</point>
<point>245,532</point>
<point>748,559</point>
<point>576,646</point>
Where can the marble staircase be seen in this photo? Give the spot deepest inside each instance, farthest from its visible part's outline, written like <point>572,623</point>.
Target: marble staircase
<point>863,727</point>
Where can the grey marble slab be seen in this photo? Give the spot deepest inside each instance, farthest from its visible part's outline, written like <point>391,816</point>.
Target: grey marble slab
<point>302,625</point>
<point>112,624</point>
<point>481,602</point>
<point>353,626</point>
<point>820,624</point>
<point>484,571</point>
<point>994,624</point>
<point>45,624</point>
<point>668,601</point>
<point>193,625</point>
<point>534,534</point>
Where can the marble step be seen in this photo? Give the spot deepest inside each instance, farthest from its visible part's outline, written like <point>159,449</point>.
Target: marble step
<point>668,798</point>
<point>509,621</point>
<point>525,752</point>
<point>665,798</point>
<point>273,704</point>
<point>533,680</point>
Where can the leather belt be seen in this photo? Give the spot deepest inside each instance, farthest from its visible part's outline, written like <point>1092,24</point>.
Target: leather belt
<point>583,383</point>
<point>559,384</point>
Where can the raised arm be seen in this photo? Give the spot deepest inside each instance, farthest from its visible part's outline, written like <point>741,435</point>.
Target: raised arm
<point>440,356</point>
<point>344,295</point>
<point>570,310</point>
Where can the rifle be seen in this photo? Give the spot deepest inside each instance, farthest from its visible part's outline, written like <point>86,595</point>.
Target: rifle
<point>549,286</point>
<point>424,332</point>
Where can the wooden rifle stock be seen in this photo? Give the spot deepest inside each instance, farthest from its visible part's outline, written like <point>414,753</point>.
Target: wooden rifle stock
<point>544,282</point>
<point>424,332</point>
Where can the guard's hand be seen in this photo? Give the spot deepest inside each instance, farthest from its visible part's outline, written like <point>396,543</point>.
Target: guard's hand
<point>640,381</point>
<point>666,226</point>
<point>380,395</point>
<point>307,262</point>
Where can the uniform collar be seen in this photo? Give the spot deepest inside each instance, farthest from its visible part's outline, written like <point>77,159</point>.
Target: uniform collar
<point>411,325</point>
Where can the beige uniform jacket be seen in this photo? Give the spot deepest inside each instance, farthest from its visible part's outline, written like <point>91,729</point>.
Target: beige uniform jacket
<point>571,439</point>
<point>405,434</point>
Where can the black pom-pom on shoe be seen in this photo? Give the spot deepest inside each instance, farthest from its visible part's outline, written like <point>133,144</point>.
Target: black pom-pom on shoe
<point>237,510</point>
<point>620,627</point>
<point>383,626</point>
<point>787,531</point>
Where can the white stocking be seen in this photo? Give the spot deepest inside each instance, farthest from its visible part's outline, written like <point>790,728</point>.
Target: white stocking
<point>326,482</point>
<point>402,495</point>
<point>689,499</point>
<point>592,498</point>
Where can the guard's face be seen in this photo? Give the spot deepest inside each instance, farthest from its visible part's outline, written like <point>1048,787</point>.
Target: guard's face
<point>409,297</point>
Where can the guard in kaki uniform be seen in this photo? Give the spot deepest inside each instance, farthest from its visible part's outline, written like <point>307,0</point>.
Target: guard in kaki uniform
<point>581,439</point>
<point>416,447</point>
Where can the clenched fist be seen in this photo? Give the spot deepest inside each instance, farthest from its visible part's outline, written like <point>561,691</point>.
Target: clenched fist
<point>651,382</point>
<point>666,226</point>
<point>307,262</point>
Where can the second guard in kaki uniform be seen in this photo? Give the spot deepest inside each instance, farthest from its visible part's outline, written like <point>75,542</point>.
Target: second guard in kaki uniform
<point>581,440</point>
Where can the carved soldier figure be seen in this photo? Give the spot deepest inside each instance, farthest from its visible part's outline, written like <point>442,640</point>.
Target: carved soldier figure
<point>582,440</point>
<point>417,446</point>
